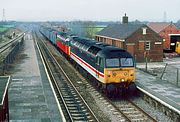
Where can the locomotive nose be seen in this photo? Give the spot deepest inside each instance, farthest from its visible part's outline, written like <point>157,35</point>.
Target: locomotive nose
<point>115,75</point>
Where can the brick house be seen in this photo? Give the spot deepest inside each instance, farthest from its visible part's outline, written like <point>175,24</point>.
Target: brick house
<point>168,31</point>
<point>137,39</point>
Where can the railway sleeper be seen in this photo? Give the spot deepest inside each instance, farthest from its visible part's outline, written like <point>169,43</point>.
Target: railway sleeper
<point>73,108</point>
<point>79,119</point>
<point>78,115</point>
<point>69,102</point>
<point>136,115</point>
<point>73,105</point>
<point>132,112</point>
<point>67,97</point>
<point>139,119</point>
<point>127,109</point>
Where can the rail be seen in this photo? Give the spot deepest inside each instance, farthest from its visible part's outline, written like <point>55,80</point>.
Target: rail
<point>74,106</point>
<point>132,112</point>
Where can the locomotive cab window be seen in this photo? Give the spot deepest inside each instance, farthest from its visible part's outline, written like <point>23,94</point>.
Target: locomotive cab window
<point>97,60</point>
<point>126,62</point>
<point>100,62</point>
<point>113,62</point>
<point>122,62</point>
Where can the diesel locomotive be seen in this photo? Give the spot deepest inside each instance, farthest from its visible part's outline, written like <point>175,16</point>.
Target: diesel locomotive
<point>111,68</point>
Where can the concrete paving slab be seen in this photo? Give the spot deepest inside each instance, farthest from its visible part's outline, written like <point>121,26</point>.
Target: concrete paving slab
<point>30,96</point>
<point>164,90</point>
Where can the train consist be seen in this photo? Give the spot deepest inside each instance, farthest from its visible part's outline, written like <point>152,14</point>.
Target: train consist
<point>110,68</point>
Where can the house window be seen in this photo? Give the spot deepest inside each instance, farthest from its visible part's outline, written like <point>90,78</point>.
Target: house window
<point>144,30</point>
<point>148,45</point>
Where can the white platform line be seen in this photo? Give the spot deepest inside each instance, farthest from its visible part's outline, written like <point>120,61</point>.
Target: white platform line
<point>159,100</point>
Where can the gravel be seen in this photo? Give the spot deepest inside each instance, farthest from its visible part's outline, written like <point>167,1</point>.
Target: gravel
<point>105,111</point>
<point>155,113</point>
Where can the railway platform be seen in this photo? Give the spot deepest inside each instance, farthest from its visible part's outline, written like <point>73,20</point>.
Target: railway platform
<point>163,91</point>
<point>31,97</point>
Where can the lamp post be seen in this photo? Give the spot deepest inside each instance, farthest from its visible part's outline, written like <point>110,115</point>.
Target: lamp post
<point>146,61</point>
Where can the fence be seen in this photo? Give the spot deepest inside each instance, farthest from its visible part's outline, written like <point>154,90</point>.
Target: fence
<point>171,74</point>
<point>11,56</point>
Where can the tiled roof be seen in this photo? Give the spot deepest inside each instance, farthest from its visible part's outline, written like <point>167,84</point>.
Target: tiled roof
<point>158,26</point>
<point>119,31</point>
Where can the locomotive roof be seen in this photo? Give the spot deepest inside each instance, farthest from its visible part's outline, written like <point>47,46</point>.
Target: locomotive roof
<point>99,48</point>
<point>113,52</point>
<point>94,47</point>
<point>63,34</point>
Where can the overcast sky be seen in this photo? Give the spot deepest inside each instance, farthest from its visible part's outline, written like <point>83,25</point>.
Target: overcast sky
<point>102,10</point>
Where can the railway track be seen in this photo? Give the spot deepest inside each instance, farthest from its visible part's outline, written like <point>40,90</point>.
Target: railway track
<point>132,112</point>
<point>72,103</point>
<point>126,110</point>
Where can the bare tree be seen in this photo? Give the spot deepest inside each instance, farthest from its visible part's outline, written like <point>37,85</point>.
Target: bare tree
<point>90,29</point>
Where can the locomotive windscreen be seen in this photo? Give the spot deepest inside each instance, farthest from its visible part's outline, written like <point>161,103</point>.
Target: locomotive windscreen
<point>119,62</point>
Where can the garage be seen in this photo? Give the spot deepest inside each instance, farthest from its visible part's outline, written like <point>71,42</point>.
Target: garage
<point>174,38</point>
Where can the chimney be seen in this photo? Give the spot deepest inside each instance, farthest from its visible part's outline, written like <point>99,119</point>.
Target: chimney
<point>125,19</point>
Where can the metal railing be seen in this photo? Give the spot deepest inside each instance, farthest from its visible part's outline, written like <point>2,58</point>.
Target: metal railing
<point>171,74</point>
<point>5,60</point>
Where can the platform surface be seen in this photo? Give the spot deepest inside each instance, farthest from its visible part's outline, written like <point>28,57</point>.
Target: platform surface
<point>167,92</point>
<point>30,96</point>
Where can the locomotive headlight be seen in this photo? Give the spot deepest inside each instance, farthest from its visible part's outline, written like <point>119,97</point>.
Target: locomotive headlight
<point>122,80</point>
<point>114,74</point>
